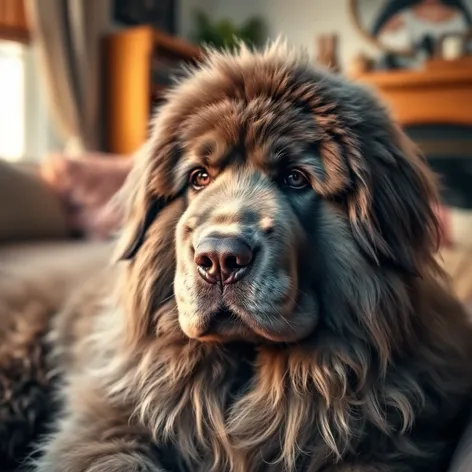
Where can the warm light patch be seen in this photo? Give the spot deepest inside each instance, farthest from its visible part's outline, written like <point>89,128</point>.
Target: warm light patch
<point>12,100</point>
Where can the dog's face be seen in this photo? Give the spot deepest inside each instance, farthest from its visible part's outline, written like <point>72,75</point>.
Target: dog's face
<point>288,194</point>
<point>244,242</point>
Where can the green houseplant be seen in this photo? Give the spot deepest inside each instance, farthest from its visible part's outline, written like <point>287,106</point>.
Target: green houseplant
<point>225,34</point>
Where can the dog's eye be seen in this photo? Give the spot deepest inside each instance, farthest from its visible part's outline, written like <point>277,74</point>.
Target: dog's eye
<point>295,179</point>
<point>199,178</point>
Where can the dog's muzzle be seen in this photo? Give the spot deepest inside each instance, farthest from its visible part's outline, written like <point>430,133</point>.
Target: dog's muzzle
<point>223,260</point>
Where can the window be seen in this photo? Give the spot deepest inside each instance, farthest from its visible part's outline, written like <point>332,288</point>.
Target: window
<point>26,128</point>
<point>12,100</point>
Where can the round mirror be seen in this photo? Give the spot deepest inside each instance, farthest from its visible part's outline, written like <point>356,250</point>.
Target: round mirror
<point>407,26</point>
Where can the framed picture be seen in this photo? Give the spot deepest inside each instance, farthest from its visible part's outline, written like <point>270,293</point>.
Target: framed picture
<point>160,14</point>
<point>408,26</point>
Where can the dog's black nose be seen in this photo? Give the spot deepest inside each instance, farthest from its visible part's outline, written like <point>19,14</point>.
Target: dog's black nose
<point>222,259</point>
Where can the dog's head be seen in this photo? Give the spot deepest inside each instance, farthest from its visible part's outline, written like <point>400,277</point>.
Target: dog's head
<point>274,198</point>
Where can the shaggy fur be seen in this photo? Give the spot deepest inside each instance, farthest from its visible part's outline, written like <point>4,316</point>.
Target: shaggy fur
<point>26,385</point>
<point>345,350</point>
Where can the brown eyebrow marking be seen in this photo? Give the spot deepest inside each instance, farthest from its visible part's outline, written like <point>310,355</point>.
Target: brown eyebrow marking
<point>211,149</point>
<point>267,224</point>
<point>192,159</point>
<point>206,149</point>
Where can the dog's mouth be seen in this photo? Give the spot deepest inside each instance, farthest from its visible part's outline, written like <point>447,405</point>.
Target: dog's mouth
<point>225,325</point>
<point>223,317</point>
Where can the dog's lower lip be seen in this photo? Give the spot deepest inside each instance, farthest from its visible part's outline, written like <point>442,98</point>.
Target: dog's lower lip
<point>218,319</point>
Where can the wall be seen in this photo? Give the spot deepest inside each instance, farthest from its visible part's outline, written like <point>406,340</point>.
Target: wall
<point>300,21</point>
<point>185,14</point>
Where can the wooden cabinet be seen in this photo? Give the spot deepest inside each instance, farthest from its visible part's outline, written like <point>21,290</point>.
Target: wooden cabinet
<point>440,93</point>
<point>434,106</point>
<point>137,65</point>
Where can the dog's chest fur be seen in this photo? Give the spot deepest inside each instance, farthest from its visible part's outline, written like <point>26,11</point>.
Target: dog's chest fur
<point>224,412</point>
<point>235,387</point>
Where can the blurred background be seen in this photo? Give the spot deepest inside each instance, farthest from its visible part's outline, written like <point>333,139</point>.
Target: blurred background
<point>79,80</point>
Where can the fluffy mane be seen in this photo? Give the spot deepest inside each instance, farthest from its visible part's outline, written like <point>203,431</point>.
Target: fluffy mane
<point>390,334</point>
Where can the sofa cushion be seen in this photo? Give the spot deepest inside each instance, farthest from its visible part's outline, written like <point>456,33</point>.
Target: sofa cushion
<point>29,209</point>
<point>55,269</point>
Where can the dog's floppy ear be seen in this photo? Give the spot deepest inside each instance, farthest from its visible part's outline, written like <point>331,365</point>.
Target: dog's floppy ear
<point>147,190</point>
<point>137,237</point>
<point>391,212</point>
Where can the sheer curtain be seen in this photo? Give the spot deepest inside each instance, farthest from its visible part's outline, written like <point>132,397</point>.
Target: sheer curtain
<point>67,34</point>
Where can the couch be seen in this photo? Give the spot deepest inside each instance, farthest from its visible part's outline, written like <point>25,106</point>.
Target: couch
<point>35,244</point>
<point>40,264</point>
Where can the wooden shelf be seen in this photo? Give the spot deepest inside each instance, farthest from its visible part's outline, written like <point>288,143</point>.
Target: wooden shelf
<point>441,93</point>
<point>416,79</point>
<point>129,90</point>
<point>176,46</point>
